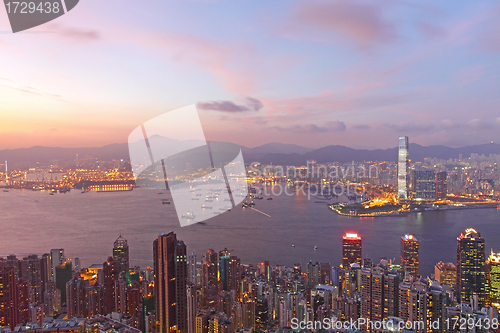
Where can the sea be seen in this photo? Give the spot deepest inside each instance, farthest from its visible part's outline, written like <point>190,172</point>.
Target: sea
<point>85,225</point>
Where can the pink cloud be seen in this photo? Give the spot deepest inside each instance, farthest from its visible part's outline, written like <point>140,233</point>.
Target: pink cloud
<point>352,21</point>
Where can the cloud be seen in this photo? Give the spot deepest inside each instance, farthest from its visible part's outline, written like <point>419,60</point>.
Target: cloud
<point>480,124</point>
<point>447,123</point>
<point>361,127</point>
<point>249,105</point>
<point>75,34</point>
<point>410,128</point>
<point>332,126</point>
<point>353,21</point>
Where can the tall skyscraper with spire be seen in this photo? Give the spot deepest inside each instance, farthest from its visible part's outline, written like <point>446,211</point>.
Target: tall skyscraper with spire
<point>171,273</point>
<point>403,168</point>
<point>121,254</point>
<point>471,267</point>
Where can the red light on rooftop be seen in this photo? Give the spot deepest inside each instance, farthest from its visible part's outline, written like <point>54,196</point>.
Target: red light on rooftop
<point>349,235</point>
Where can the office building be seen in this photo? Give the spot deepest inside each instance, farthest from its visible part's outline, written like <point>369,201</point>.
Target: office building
<point>63,273</point>
<point>445,273</point>
<point>351,250</point>
<point>410,255</point>
<point>494,279</point>
<point>471,267</point>
<point>423,185</point>
<point>121,254</point>
<point>57,259</point>
<point>224,256</point>
<point>403,168</point>
<point>170,284</point>
<point>441,185</point>
<point>192,271</point>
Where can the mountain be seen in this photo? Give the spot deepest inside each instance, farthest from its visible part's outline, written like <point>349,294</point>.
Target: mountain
<point>276,153</point>
<point>344,154</point>
<point>276,147</point>
<point>22,158</point>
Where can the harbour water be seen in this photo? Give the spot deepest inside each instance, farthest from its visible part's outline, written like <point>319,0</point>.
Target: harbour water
<point>86,225</point>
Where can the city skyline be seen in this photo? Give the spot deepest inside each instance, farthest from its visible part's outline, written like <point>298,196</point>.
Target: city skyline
<point>191,297</point>
<point>286,73</point>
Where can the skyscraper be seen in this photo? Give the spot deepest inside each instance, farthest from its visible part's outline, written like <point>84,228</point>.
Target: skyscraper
<point>410,254</point>
<point>446,273</point>
<point>192,269</point>
<point>441,185</point>
<point>351,250</point>
<point>494,279</point>
<point>57,259</point>
<point>424,185</point>
<point>63,274</point>
<point>9,308</point>
<point>234,274</point>
<point>110,272</point>
<point>31,272</point>
<point>170,284</point>
<point>120,254</point>
<point>471,268</point>
<point>209,277</point>
<point>224,256</point>
<point>403,168</point>
<point>192,306</point>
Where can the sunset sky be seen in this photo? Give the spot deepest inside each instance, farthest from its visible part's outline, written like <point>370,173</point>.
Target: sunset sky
<point>307,72</point>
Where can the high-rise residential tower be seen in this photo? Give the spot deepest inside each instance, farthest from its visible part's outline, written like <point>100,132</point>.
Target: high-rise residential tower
<point>9,308</point>
<point>410,254</point>
<point>403,168</point>
<point>170,284</point>
<point>471,267</point>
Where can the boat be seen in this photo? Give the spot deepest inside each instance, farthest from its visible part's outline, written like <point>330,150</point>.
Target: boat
<point>6,190</point>
<point>188,215</point>
<point>206,207</point>
<point>269,198</point>
<point>165,201</point>
<point>293,245</point>
<point>315,247</point>
<point>51,193</point>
